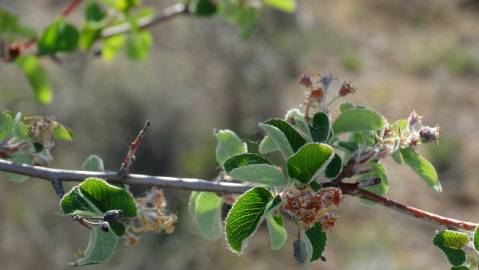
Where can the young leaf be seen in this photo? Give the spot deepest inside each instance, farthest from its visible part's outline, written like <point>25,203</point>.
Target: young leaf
<point>203,8</point>
<point>358,119</point>
<point>296,118</point>
<point>62,133</point>
<point>267,145</point>
<point>37,78</point>
<point>476,239</point>
<point>139,44</point>
<point>315,241</point>
<point>284,136</point>
<point>450,243</point>
<point>422,167</point>
<point>346,106</point>
<point>334,167</point>
<point>283,5</point>
<point>93,163</point>
<point>58,36</point>
<point>309,161</point>
<point>379,171</point>
<point>277,232</point>
<point>100,249</point>
<point>259,173</point>
<point>242,160</point>
<point>229,144</point>
<point>245,216</point>
<point>207,210</point>
<point>320,127</point>
<point>111,46</point>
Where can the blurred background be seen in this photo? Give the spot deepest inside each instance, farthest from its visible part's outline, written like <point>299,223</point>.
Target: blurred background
<point>401,55</point>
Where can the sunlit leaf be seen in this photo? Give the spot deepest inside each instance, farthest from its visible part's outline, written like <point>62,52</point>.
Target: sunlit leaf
<point>309,161</point>
<point>422,167</point>
<point>37,78</point>
<point>358,119</point>
<point>229,144</point>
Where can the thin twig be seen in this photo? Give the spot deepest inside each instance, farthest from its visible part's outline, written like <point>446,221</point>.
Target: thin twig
<point>167,14</point>
<point>222,187</point>
<point>68,9</point>
<point>130,155</point>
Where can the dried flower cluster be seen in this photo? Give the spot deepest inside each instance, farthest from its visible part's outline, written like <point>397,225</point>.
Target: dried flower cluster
<point>152,217</point>
<point>308,207</point>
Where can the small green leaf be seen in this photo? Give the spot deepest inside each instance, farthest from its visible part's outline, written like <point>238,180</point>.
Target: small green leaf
<point>203,8</point>
<point>315,240</point>
<point>100,249</point>
<point>358,119</point>
<point>309,161</point>
<point>320,127</point>
<point>206,211</point>
<point>242,160</point>
<point>347,105</point>
<point>245,216</point>
<point>267,145</point>
<point>62,133</point>
<point>111,46</point>
<point>277,232</point>
<point>397,157</point>
<point>58,36</point>
<point>139,44</point>
<point>122,5</point>
<point>259,173</point>
<point>334,167</point>
<point>229,144</point>
<point>37,78</point>
<point>94,12</point>
<point>476,239</point>
<point>422,167</point>
<point>379,171</point>
<point>93,163</point>
<point>450,242</point>
<point>283,5</point>
<point>399,126</point>
<point>284,136</point>
<point>296,119</point>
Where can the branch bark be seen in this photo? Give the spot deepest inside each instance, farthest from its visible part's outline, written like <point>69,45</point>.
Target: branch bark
<point>222,187</point>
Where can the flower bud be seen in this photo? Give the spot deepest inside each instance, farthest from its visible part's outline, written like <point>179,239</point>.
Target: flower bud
<point>346,89</point>
<point>429,134</point>
<point>306,81</point>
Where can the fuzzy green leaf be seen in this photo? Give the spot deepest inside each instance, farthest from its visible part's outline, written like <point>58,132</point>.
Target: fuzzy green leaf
<point>450,242</point>
<point>229,144</point>
<point>320,127</point>
<point>283,5</point>
<point>62,133</point>
<point>37,78</point>
<point>277,232</point>
<point>267,145</point>
<point>358,119</point>
<point>379,171</point>
<point>245,216</point>
<point>100,249</point>
<point>93,163</point>
<point>19,158</point>
<point>206,211</point>
<point>309,161</point>
<point>334,167</point>
<point>284,136</point>
<point>296,119</point>
<point>422,167</point>
<point>315,240</point>
<point>259,173</point>
<point>242,160</point>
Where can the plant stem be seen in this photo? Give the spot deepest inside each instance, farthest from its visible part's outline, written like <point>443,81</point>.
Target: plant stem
<point>222,187</point>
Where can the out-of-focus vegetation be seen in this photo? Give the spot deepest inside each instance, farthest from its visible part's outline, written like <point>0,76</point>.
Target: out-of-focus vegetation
<point>201,75</point>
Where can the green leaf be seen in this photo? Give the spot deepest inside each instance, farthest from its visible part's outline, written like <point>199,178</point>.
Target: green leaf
<point>358,119</point>
<point>315,240</point>
<point>6,125</point>
<point>11,30</point>
<point>450,242</point>
<point>94,12</point>
<point>277,232</point>
<point>259,173</point>
<point>379,171</point>
<point>347,105</point>
<point>62,133</point>
<point>139,44</point>
<point>93,163</point>
<point>351,147</point>
<point>280,141</point>
<point>399,126</point>
<point>296,118</point>
<point>462,267</point>
<point>242,160</point>
<point>309,161</point>
<point>93,197</point>
<point>334,167</point>
<point>19,158</point>
<point>100,249</point>
<point>203,8</point>
<point>283,5</point>
<point>111,46</point>
<point>229,144</point>
<point>284,136</point>
<point>422,167</point>
<point>320,128</point>
<point>58,36</point>
<point>122,5</point>
<point>476,239</point>
<point>245,216</point>
<point>206,211</point>
<point>37,78</point>
<point>267,145</point>
<point>397,156</point>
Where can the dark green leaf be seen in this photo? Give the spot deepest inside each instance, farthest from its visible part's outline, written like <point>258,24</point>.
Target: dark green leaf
<point>456,256</point>
<point>37,78</point>
<point>94,12</point>
<point>294,138</point>
<point>320,127</point>
<point>462,267</point>
<point>309,161</point>
<point>243,160</point>
<point>59,36</point>
<point>334,167</point>
<point>422,167</point>
<point>245,216</point>
<point>203,8</point>
<point>315,241</point>
<point>358,119</point>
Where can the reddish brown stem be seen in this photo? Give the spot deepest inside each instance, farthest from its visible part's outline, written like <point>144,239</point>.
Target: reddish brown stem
<point>130,156</point>
<point>68,9</point>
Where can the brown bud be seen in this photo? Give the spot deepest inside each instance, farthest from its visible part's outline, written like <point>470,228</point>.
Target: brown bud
<point>346,89</point>
<point>429,134</point>
<point>306,81</point>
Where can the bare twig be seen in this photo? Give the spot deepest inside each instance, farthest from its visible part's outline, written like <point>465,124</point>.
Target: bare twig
<point>223,187</point>
<point>167,14</point>
<point>130,155</point>
<point>68,9</point>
